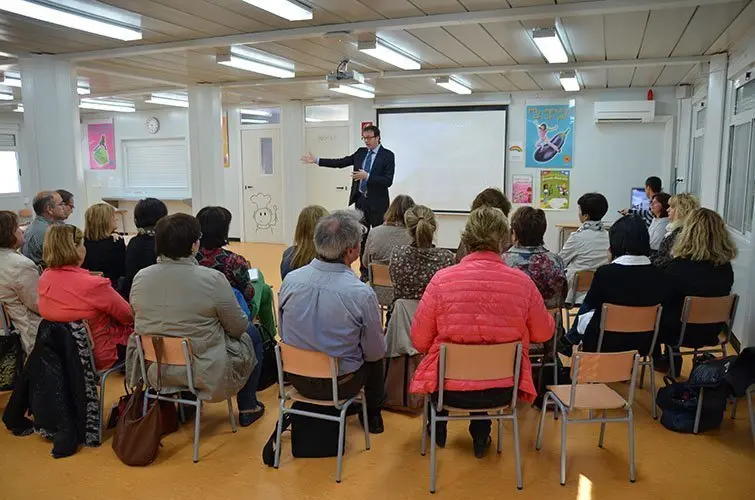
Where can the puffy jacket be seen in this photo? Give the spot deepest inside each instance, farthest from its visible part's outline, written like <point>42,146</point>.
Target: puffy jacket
<point>478,301</point>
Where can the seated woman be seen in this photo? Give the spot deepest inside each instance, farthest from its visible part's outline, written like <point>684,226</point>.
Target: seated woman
<point>479,301</point>
<point>680,206</point>
<point>140,252</point>
<point>302,251</point>
<point>392,233</point>
<point>529,255</point>
<point>179,298</point>
<point>701,268</point>
<point>412,266</point>
<point>106,250</point>
<point>629,280</point>
<point>215,222</point>
<point>488,197</point>
<point>69,293</point>
<point>657,229</point>
<point>19,277</point>
<point>587,247</point>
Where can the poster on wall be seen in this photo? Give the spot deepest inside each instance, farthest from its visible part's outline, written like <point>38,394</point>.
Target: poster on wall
<point>101,146</point>
<point>226,156</point>
<point>516,152</point>
<point>554,189</point>
<point>521,189</point>
<point>550,136</point>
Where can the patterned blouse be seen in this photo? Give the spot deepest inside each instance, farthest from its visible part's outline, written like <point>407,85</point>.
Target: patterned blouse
<point>663,257</point>
<point>545,268</point>
<point>412,269</point>
<point>233,266</point>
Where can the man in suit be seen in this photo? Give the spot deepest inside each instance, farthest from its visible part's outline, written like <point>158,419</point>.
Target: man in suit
<point>372,176</point>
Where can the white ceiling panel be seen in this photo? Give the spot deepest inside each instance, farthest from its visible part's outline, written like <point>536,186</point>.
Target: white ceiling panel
<point>393,8</point>
<point>302,61</point>
<point>172,15</point>
<point>594,78</point>
<point>350,10</point>
<point>586,37</point>
<point>673,75</point>
<point>516,41</point>
<point>416,47</point>
<point>663,30</point>
<point>448,45</point>
<point>619,77</point>
<point>624,34</point>
<point>523,81</point>
<point>479,41</point>
<point>472,5</point>
<point>499,82</point>
<point>736,30</point>
<point>528,3</point>
<point>546,81</point>
<point>645,77</point>
<point>706,26</point>
<point>440,6</point>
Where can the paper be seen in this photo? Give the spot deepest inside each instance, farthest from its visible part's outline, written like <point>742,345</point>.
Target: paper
<point>516,152</point>
<point>101,146</point>
<point>554,189</point>
<point>254,274</point>
<point>521,189</point>
<point>550,136</point>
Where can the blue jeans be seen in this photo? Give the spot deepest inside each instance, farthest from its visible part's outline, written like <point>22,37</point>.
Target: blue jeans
<point>247,396</point>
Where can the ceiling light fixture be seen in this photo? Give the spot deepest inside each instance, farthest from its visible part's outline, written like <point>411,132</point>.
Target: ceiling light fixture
<point>569,81</point>
<point>287,9</point>
<point>89,16</point>
<point>178,100</point>
<point>256,61</point>
<point>83,87</point>
<point>379,49</point>
<point>550,45</point>
<point>13,79</point>
<point>452,84</point>
<point>252,121</point>
<point>356,90</point>
<point>108,105</point>
<point>256,112</point>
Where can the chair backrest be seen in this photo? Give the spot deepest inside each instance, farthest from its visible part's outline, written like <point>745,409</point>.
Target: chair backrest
<point>5,319</point>
<point>583,280</point>
<point>306,364</point>
<point>707,310</point>
<point>627,319</point>
<point>602,367</point>
<point>557,314</point>
<point>173,349</point>
<point>380,275</point>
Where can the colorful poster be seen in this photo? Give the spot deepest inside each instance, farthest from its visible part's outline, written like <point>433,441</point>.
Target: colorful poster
<point>101,140</point>
<point>516,152</point>
<point>550,136</point>
<point>226,156</point>
<point>554,189</point>
<point>521,189</point>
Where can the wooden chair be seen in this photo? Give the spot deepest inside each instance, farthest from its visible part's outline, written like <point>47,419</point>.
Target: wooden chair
<point>379,277</point>
<point>581,283</point>
<point>475,362</point>
<point>316,365</point>
<point>591,371</point>
<point>628,320</point>
<point>538,360</point>
<point>176,351</point>
<point>5,320</point>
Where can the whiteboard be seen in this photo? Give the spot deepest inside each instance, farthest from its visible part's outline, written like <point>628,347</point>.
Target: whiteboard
<point>444,157</point>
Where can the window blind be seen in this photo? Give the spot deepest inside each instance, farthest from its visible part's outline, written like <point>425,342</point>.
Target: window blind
<point>157,164</point>
<point>7,141</point>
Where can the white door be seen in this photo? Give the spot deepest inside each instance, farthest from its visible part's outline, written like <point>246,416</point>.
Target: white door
<point>328,187</point>
<point>263,186</point>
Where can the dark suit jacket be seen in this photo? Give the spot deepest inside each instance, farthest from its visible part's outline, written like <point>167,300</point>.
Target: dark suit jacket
<point>381,178</point>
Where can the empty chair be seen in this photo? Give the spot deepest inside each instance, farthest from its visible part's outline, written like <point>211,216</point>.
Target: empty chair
<point>316,365</point>
<point>380,281</point>
<point>579,286</point>
<point>588,391</point>
<point>175,351</point>
<point>478,363</point>
<point>539,359</point>
<point>102,376</point>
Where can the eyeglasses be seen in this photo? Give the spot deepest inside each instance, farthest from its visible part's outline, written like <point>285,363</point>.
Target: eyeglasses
<point>367,138</point>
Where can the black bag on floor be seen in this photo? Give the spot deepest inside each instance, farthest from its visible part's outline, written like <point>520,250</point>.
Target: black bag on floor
<point>310,437</point>
<point>11,360</point>
<point>269,373</point>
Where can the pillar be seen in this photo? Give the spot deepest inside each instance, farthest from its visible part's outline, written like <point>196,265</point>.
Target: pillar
<point>714,123</point>
<point>206,146</point>
<point>52,129</point>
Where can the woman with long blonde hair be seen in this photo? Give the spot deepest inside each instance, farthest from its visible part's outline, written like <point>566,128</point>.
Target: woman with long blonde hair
<point>680,206</point>
<point>701,267</point>
<point>302,251</point>
<point>106,250</point>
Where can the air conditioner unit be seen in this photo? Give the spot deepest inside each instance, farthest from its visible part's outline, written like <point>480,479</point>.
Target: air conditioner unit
<point>625,112</point>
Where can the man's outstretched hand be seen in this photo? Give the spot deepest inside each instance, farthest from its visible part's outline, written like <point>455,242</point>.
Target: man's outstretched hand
<point>308,158</point>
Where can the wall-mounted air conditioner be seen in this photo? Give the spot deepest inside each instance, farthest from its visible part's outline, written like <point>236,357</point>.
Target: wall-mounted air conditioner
<point>624,111</point>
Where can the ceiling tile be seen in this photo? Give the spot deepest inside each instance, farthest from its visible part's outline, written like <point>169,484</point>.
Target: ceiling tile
<point>624,34</point>
<point>416,47</point>
<point>736,30</point>
<point>516,41</point>
<point>522,80</point>
<point>620,77</point>
<point>663,30</point>
<point>708,23</point>
<point>546,80</point>
<point>439,6</point>
<point>479,41</point>
<point>499,82</point>
<point>673,75</point>
<point>393,8</point>
<point>585,36</point>
<point>646,77</point>
<point>594,78</point>
<point>350,10</point>
<point>444,43</point>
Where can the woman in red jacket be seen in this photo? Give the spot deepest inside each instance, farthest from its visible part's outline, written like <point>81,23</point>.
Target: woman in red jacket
<point>478,301</point>
<point>69,293</point>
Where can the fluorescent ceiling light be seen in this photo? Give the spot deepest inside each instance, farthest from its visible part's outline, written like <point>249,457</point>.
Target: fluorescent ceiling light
<point>13,79</point>
<point>383,51</point>
<point>256,112</point>
<point>108,105</point>
<point>178,100</point>
<point>357,90</point>
<point>83,87</point>
<point>550,45</point>
<point>287,9</point>
<point>569,81</point>
<point>6,94</point>
<point>92,17</point>
<point>252,121</point>
<point>19,109</point>
<point>453,85</point>
<point>256,61</point>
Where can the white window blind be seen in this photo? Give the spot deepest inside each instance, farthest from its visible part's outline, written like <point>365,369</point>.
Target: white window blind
<point>157,164</point>
<point>10,180</point>
<point>7,141</point>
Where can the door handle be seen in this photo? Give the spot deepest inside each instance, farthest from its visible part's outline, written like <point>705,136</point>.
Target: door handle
<point>341,188</point>
<point>248,187</point>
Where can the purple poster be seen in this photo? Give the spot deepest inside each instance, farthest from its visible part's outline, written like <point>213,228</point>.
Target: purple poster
<point>101,138</point>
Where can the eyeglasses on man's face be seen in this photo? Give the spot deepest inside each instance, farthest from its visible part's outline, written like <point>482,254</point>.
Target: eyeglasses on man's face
<point>366,138</point>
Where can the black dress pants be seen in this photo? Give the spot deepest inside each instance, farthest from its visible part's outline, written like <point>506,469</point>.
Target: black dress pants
<point>472,400</point>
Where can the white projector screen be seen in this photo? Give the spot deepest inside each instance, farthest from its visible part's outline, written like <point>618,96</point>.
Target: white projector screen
<point>445,156</point>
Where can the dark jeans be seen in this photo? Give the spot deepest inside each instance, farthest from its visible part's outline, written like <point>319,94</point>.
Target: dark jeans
<point>472,400</point>
<point>369,376</point>
<point>247,396</point>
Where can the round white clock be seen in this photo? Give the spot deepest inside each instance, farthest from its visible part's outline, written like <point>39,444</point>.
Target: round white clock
<point>153,125</point>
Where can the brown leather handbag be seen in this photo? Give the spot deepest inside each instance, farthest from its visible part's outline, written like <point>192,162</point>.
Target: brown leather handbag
<point>137,437</point>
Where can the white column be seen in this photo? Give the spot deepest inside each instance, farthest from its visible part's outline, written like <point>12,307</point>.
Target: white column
<point>52,131</point>
<point>293,171</point>
<point>206,146</point>
<point>714,122</point>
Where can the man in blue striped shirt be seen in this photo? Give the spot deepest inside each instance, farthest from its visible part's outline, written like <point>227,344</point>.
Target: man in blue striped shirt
<point>653,186</point>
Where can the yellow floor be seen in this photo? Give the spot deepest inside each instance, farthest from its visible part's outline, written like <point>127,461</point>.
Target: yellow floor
<point>718,464</point>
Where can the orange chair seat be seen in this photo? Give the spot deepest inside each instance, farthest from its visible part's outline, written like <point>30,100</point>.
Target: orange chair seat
<point>589,396</point>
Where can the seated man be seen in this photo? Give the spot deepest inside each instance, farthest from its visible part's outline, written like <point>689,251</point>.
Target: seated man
<point>324,307</point>
<point>50,210</point>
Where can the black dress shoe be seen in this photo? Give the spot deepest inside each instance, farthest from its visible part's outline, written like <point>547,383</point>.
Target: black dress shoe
<point>480,446</point>
<point>374,423</point>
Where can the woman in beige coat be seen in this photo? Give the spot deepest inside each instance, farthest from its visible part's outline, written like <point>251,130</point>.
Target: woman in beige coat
<point>19,279</point>
<point>179,298</point>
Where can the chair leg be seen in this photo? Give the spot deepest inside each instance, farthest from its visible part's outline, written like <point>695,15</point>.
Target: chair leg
<point>500,433</point>
<point>432,450</point>
<point>734,409</point>
<point>642,375</point>
<point>751,411</point>
<point>366,426</point>
<point>653,390</point>
<point>144,403</point>
<point>197,416</point>
<point>632,469</point>
<point>564,423</point>
<point>672,368</point>
<point>539,442</point>
<point>278,432</point>
<point>341,432</point>
<point>232,416</point>
<point>181,412</point>
<point>699,409</point>
<point>517,457</point>
<point>425,411</point>
<point>602,430</point>
<point>103,379</point>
